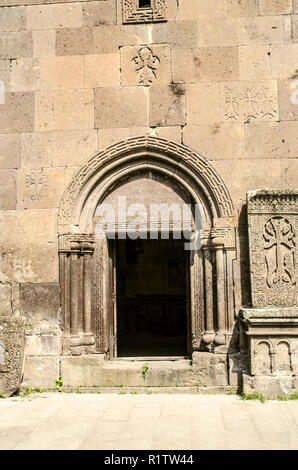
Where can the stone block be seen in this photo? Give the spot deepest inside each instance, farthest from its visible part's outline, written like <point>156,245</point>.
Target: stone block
<point>172,133</point>
<point>36,150</point>
<point>64,15</point>
<point>190,10</point>
<point>24,75</point>
<point>205,64</point>
<point>43,345</point>
<point>290,52</point>
<point>145,65</point>
<point>62,72</point>
<point>216,141</point>
<point>84,370</point>
<point>10,151</point>
<point>16,44</point>
<point>219,32</point>
<point>269,7</point>
<point>254,62</point>
<point>44,43</point>
<point>74,41</point>
<point>5,76</point>
<point>262,30</point>
<point>250,176</point>
<point>31,255</point>
<point>5,299</point>
<point>289,173</point>
<point>270,387</point>
<point>40,188</point>
<point>12,342</point>
<point>295,27</point>
<point>70,148</point>
<point>210,369</point>
<point>271,139</point>
<point>288,99</point>
<point>202,103</point>
<point>12,19</point>
<point>167,105</point>
<point>121,107</point>
<point>64,110</point>
<point>247,101</point>
<point>107,39</point>
<point>41,371</point>
<point>183,34</point>
<point>235,8</point>
<point>8,188</point>
<point>40,303</point>
<point>102,70</point>
<point>99,13</point>
<point>17,113</point>
<point>238,364</point>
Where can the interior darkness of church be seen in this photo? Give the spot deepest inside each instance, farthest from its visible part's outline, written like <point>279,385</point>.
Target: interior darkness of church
<point>151,298</point>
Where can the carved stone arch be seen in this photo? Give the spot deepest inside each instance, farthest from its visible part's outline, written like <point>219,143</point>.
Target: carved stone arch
<point>177,160</point>
<point>83,258</point>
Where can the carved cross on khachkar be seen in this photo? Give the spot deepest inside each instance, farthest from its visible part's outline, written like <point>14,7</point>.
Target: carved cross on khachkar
<point>279,245</point>
<point>145,64</point>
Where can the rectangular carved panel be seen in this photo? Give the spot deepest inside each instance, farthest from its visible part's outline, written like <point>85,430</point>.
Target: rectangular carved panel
<point>132,13</point>
<point>273,227</point>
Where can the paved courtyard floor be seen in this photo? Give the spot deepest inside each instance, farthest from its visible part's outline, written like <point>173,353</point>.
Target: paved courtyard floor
<point>153,422</point>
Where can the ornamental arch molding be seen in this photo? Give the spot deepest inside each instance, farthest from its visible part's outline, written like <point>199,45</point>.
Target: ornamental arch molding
<point>84,260</point>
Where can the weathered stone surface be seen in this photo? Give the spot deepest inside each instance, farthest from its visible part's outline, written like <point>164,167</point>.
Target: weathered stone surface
<point>12,343</point>
<point>17,113</point>
<point>25,75</point>
<point>107,39</point>
<point>54,16</point>
<point>5,76</point>
<point>10,151</point>
<point>210,369</point>
<point>189,10</point>
<point>145,65</point>
<point>74,41</point>
<point>254,63</point>
<point>12,19</point>
<point>71,148</point>
<point>36,150</point>
<point>43,345</point>
<point>119,107</point>
<point>41,371</point>
<point>202,103</point>
<point>16,44</point>
<point>99,13</point>
<point>182,34</point>
<point>268,7</point>
<point>8,189</point>
<point>39,303</point>
<point>167,105</point>
<point>82,370</point>
<point>238,364</point>
<point>40,188</point>
<point>271,140</point>
<point>295,27</point>
<point>62,72</point>
<point>216,141</point>
<point>270,387</point>
<point>5,299</point>
<point>289,174</point>
<point>44,43</point>
<point>288,99</point>
<point>205,64</point>
<point>102,70</point>
<point>64,110</point>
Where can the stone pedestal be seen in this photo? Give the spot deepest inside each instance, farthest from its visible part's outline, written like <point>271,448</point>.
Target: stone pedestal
<point>271,324</point>
<point>12,345</point>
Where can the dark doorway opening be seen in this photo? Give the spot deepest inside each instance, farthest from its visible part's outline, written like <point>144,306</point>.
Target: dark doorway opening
<point>152,298</point>
<point>144,3</point>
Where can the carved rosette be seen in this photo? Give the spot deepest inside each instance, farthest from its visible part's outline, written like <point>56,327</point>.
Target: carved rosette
<point>132,13</point>
<point>272,221</point>
<point>75,257</point>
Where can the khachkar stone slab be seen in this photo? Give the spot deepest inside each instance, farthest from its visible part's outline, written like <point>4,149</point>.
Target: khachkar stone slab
<point>138,11</point>
<point>12,345</point>
<point>271,323</point>
<point>273,228</point>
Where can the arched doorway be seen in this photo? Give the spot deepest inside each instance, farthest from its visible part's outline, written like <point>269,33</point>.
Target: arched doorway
<point>149,170</point>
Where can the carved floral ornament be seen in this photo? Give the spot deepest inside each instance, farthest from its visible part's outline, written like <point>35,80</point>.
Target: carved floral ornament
<point>146,64</point>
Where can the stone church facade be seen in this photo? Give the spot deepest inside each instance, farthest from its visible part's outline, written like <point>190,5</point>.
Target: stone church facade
<point>163,102</point>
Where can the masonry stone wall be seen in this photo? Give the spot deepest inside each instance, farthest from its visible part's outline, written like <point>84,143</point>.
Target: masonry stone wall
<point>220,77</point>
